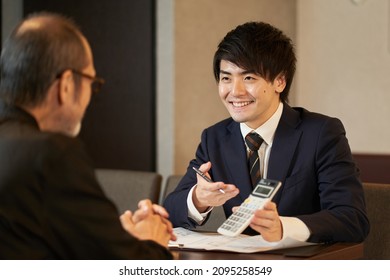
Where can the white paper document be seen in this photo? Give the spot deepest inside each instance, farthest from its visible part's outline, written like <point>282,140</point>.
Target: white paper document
<point>241,243</point>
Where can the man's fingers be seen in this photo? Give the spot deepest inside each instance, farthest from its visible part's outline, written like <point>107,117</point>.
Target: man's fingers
<point>158,209</point>
<point>126,220</point>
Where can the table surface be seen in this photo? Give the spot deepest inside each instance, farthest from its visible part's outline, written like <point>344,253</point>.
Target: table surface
<point>336,251</point>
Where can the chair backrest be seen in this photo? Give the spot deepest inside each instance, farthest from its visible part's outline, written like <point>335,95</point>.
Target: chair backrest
<point>127,187</point>
<point>170,185</point>
<point>377,244</point>
<point>217,216</point>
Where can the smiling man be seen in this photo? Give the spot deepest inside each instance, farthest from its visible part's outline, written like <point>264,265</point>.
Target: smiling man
<point>321,198</point>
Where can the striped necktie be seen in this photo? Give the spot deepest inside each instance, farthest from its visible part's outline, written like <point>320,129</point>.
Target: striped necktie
<point>254,141</point>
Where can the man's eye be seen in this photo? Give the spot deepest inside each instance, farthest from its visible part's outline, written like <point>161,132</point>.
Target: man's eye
<point>224,79</point>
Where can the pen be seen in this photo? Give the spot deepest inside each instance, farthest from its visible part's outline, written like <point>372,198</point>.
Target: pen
<point>201,174</point>
<point>180,246</point>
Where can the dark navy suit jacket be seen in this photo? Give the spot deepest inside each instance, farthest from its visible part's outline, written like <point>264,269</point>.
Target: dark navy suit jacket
<point>310,155</point>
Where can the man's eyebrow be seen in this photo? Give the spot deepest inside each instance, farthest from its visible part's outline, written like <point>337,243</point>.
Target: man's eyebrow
<point>248,72</point>
<point>224,72</point>
<point>241,73</point>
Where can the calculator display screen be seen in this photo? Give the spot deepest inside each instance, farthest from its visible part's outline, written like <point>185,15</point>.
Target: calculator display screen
<point>263,191</point>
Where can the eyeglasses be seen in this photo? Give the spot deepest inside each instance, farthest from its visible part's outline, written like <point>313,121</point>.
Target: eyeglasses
<point>96,84</point>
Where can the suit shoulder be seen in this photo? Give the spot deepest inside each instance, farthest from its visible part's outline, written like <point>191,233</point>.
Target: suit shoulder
<point>223,125</point>
<point>29,140</point>
<point>50,147</point>
<point>313,117</point>
<point>304,113</point>
<point>316,122</point>
<point>56,142</point>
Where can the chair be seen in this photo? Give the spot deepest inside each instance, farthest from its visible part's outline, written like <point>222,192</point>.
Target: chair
<point>217,216</point>
<point>127,187</point>
<point>170,185</point>
<point>377,244</point>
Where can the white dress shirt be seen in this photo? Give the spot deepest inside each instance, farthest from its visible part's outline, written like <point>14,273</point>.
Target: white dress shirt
<point>292,227</point>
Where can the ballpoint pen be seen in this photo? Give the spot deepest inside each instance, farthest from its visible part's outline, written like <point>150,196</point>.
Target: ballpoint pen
<point>201,174</point>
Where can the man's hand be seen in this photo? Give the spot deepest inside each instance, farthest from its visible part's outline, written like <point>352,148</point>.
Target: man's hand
<point>149,222</point>
<point>208,194</point>
<point>267,222</point>
<point>145,207</point>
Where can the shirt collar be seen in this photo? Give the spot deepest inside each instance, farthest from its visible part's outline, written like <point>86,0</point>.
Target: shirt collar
<point>267,129</point>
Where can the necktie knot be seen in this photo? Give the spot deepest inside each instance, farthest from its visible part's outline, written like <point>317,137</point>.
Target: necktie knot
<point>253,141</point>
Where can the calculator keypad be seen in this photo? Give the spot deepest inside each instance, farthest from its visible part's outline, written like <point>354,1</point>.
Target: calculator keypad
<point>243,214</point>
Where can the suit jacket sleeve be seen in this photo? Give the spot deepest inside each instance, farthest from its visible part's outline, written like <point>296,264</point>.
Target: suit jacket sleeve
<point>341,215</point>
<point>176,202</point>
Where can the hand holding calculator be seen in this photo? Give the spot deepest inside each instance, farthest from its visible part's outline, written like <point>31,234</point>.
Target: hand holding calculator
<point>240,219</point>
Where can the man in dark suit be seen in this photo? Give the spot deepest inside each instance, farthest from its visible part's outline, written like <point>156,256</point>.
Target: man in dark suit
<point>321,198</point>
<point>51,205</point>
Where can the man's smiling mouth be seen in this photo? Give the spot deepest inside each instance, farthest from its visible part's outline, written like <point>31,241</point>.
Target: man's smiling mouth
<point>240,104</point>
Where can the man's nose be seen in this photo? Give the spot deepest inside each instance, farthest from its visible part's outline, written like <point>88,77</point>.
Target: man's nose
<point>238,88</point>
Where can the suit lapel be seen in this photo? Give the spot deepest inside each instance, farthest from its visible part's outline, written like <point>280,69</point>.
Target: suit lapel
<point>284,147</point>
<point>286,139</point>
<point>236,160</point>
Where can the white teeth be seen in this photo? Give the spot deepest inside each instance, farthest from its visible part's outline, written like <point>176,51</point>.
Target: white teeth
<point>241,104</point>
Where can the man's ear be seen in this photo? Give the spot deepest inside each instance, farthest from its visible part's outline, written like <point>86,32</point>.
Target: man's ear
<point>280,83</point>
<point>65,87</point>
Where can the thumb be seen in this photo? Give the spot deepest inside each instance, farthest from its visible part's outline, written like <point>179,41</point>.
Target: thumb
<point>126,220</point>
<point>205,167</point>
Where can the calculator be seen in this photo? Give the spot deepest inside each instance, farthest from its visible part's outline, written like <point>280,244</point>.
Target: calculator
<point>240,219</point>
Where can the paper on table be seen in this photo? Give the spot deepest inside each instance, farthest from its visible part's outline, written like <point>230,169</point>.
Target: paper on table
<point>241,243</point>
